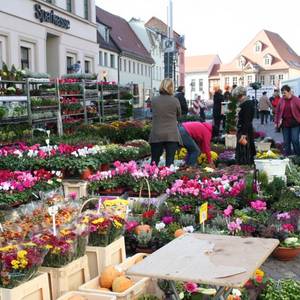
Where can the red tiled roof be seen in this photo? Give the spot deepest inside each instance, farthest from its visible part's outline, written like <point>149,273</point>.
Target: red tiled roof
<point>199,63</point>
<point>123,36</point>
<point>282,54</point>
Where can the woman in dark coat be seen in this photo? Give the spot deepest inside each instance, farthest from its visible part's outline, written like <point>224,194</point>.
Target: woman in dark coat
<point>164,133</point>
<point>217,108</point>
<point>245,149</point>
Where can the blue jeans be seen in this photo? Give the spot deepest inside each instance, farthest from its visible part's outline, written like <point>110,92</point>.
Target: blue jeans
<point>191,146</point>
<point>291,136</point>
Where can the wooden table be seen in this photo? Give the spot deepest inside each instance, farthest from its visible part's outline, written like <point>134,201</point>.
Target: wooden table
<point>217,260</point>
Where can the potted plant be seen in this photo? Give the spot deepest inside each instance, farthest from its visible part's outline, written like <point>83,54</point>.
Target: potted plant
<point>144,239</point>
<point>288,249</point>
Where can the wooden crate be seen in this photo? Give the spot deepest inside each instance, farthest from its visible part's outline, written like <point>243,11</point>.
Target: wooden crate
<point>77,186</point>
<point>101,257</point>
<point>87,296</point>
<point>133,293</point>
<point>34,289</point>
<point>67,278</point>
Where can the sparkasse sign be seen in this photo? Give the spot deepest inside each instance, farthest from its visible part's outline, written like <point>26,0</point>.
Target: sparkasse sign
<point>50,17</point>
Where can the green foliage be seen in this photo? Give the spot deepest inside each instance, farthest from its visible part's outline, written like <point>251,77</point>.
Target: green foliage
<point>293,175</point>
<point>274,190</point>
<point>289,200</point>
<point>286,289</point>
<point>255,85</point>
<point>148,297</point>
<point>231,114</point>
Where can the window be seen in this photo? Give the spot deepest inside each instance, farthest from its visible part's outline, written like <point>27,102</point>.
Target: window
<point>70,5</point>
<point>106,37</point>
<point>129,66</point>
<point>25,63</point>
<point>268,59</point>
<point>138,68</point>
<point>49,1</point>
<point>100,58</point>
<point>258,46</point>
<point>262,80</point>
<point>249,79</point>
<point>112,61</point>
<point>70,62</point>
<point>105,59</point>
<point>87,66</point>
<point>120,63</point>
<point>280,76</point>
<point>86,9</point>
<point>226,80</point>
<point>193,83</point>
<point>242,80</point>
<point>234,80</point>
<point>133,67</point>
<point>200,85</point>
<point>1,56</point>
<point>125,65</point>
<point>272,79</point>
<point>142,69</point>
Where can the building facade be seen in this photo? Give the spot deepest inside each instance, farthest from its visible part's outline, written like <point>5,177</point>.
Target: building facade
<point>48,36</point>
<point>174,61</point>
<point>153,42</point>
<point>267,59</point>
<point>198,73</point>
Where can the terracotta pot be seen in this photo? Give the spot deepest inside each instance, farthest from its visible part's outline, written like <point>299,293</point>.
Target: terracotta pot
<point>113,192</point>
<point>144,250</point>
<point>86,174</point>
<point>286,254</point>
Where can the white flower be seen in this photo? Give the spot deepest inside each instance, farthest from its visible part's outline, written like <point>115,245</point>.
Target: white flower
<point>291,240</point>
<point>19,153</point>
<point>47,141</point>
<point>236,292</point>
<point>50,181</point>
<point>5,186</point>
<point>189,229</point>
<point>48,132</point>
<point>160,226</point>
<point>181,295</point>
<point>74,153</point>
<point>58,173</point>
<point>58,180</point>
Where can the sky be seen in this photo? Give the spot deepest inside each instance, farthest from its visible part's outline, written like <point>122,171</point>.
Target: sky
<point>222,27</point>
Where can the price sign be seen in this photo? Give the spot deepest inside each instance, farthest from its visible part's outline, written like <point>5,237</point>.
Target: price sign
<point>203,212</point>
<point>53,210</point>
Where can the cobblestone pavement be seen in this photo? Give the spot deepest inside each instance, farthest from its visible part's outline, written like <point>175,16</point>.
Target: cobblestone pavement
<point>280,269</point>
<point>273,267</point>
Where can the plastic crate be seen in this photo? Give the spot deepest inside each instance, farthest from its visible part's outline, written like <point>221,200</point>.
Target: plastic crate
<point>77,186</point>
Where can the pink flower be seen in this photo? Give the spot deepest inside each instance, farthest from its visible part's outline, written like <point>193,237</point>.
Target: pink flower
<point>228,211</point>
<point>73,195</point>
<point>283,216</point>
<point>288,227</point>
<point>258,205</point>
<point>235,226</point>
<point>168,219</point>
<point>191,287</point>
<point>130,225</point>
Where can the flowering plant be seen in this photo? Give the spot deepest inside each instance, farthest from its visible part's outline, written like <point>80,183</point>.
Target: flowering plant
<point>19,263</point>
<point>267,155</point>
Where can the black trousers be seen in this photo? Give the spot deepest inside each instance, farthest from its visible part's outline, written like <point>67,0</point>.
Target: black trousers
<point>264,114</point>
<point>157,150</point>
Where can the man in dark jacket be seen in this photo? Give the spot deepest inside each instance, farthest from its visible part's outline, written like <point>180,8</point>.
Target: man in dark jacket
<point>217,108</point>
<point>180,96</point>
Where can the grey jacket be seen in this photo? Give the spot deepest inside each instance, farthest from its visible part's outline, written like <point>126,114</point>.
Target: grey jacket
<point>264,103</point>
<point>165,111</point>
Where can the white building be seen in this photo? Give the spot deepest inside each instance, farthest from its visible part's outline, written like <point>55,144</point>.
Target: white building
<point>153,42</point>
<point>198,71</point>
<point>48,36</point>
<point>133,63</point>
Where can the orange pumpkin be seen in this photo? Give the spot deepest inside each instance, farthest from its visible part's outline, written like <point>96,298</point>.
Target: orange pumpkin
<point>121,284</point>
<point>179,232</point>
<point>108,275</point>
<point>142,228</point>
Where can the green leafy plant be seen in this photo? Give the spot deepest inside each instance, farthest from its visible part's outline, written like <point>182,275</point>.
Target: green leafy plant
<point>231,114</point>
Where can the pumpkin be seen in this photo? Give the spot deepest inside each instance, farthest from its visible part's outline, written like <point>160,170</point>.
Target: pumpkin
<point>108,276</point>
<point>103,289</point>
<point>121,284</point>
<point>77,297</point>
<point>142,228</point>
<point>179,232</point>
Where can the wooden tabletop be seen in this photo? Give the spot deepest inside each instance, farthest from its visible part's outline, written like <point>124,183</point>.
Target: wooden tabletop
<point>206,258</point>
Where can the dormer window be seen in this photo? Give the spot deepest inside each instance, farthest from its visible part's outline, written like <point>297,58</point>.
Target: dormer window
<point>242,61</point>
<point>104,31</point>
<point>268,59</point>
<point>258,46</point>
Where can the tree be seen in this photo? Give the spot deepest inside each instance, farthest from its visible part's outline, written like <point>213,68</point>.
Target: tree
<point>231,114</point>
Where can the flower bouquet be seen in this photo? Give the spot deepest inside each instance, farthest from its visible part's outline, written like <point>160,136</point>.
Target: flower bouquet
<point>62,249</point>
<point>19,263</point>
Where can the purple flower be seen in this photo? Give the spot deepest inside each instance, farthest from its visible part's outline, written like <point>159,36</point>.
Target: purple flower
<point>168,220</point>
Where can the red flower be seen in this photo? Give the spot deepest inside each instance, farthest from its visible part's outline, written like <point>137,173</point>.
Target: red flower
<point>149,214</point>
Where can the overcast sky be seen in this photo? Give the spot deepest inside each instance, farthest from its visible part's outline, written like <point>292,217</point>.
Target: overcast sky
<point>221,27</point>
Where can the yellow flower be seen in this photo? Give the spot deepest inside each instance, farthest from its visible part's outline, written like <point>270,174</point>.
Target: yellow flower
<point>65,231</point>
<point>24,263</point>
<point>49,246</point>
<point>85,220</point>
<point>117,224</point>
<point>7,248</point>
<point>29,244</point>
<point>98,221</point>
<point>259,273</point>
<point>22,254</point>
<point>15,264</point>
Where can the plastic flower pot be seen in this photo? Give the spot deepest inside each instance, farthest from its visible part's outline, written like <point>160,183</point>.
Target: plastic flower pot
<point>86,173</point>
<point>285,253</point>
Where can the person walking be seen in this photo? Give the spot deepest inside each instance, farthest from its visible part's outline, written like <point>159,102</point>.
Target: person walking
<point>263,106</point>
<point>217,109</point>
<point>245,149</point>
<point>196,137</point>
<point>181,97</point>
<point>164,133</point>
<point>287,117</point>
